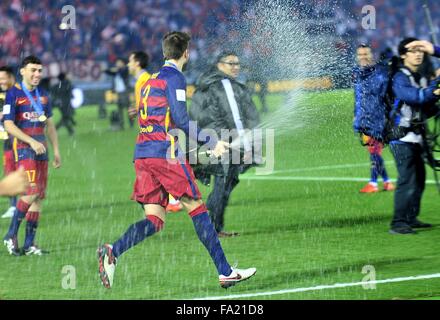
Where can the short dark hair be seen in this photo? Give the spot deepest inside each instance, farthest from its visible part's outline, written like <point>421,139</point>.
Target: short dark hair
<point>225,54</point>
<point>174,44</point>
<point>403,43</point>
<point>30,59</point>
<point>142,58</point>
<point>8,70</point>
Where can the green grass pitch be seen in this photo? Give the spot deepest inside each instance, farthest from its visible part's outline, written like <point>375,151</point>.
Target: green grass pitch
<point>300,227</point>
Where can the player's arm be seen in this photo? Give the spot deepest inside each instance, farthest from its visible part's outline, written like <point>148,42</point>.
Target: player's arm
<point>176,95</point>
<point>12,129</point>
<point>53,138</point>
<point>14,184</point>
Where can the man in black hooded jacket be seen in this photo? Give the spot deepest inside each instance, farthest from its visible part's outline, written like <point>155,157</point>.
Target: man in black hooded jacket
<point>221,102</point>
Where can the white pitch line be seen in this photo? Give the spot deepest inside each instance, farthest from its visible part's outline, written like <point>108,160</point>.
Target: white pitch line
<point>336,166</point>
<point>326,179</point>
<point>322,287</point>
<point>304,178</point>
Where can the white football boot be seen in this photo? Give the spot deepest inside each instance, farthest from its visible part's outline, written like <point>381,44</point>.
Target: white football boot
<point>236,276</point>
<point>107,264</point>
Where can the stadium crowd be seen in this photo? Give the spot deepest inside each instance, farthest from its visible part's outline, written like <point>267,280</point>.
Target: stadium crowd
<point>107,29</point>
<point>395,20</point>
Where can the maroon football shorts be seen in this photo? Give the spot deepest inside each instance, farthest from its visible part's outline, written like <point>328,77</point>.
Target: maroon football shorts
<point>157,177</point>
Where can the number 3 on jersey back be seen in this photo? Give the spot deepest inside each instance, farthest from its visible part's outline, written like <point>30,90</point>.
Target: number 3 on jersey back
<point>145,93</point>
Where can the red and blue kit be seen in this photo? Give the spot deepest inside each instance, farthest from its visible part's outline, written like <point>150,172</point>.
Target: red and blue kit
<point>8,157</point>
<point>8,154</point>
<point>160,168</point>
<point>29,110</point>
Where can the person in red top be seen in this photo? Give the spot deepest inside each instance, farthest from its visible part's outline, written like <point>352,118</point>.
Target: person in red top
<point>27,113</point>
<point>161,169</point>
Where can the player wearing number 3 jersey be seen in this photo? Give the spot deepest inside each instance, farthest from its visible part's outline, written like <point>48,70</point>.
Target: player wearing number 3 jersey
<point>161,170</point>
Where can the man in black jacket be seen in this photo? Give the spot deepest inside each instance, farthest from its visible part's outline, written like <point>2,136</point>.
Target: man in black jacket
<point>221,102</point>
<point>121,83</point>
<point>62,95</point>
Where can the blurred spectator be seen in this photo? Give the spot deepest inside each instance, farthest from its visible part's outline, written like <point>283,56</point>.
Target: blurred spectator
<point>107,29</point>
<point>121,87</point>
<point>62,96</point>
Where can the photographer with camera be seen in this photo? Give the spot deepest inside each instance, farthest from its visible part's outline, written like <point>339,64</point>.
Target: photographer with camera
<point>415,98</point>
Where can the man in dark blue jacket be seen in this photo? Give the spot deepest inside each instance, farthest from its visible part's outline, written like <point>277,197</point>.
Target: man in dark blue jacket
<point>414,97</point>
<point>370,89</point>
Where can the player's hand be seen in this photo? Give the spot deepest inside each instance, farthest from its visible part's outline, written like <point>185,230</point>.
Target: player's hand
<point>15,183</point>
<point>132,112</point>
<point>56,160</point>
<point>38,147</point>
<point>220,148</point>
<point>423,45</point>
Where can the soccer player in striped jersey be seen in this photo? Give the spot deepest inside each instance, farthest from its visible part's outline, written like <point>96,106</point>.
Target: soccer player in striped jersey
<point>163,107</point>
<point>7,81</point>
<point>137,66</point>
<point>27,113</point>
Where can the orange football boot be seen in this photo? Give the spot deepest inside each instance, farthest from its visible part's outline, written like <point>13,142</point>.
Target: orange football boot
<point>388,186</point>
<point>369,188</point>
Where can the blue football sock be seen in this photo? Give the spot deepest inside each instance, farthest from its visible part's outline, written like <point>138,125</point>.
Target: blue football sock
<point>381,168</point>
<point>13,201</point>
<point>374,167</point>
<point>135,234</point>
<point>208,236</point>
<point>15,224</point>
<point>31,229</point>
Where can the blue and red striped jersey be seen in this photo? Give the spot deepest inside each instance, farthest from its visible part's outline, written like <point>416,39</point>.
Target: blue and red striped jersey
<point>7,146</point>
<point>19,109</point>
<point>162,107</point>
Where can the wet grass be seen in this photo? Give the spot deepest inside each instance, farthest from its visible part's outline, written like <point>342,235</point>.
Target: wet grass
<point>297,233</point>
